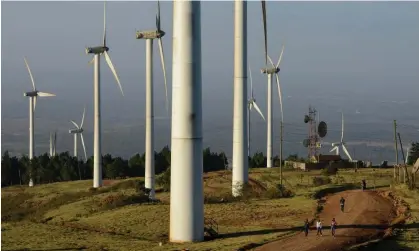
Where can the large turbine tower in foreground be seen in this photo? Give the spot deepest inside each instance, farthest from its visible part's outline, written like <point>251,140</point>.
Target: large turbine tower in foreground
<point>240,159</point>
<point>186,188</point>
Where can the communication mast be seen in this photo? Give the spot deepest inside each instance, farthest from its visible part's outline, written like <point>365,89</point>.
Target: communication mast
<point>314,133</point>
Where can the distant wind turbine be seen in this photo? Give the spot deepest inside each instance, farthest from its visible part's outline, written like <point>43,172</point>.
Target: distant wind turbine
<point>79,131</point>
<point>149,36</point>
<point>97,52</point>
<point>270,72</point>
<point>33,95</point>
<point>341,143</point>
<point>251,104</point>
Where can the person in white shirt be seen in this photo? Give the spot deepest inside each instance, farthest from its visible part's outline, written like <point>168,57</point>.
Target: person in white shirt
<point>319,227</point>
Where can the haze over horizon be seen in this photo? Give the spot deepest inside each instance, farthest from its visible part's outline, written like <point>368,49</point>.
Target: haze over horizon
<point>349,56</point>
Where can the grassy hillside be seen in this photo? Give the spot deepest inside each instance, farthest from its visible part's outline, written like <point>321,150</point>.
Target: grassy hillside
<point>71,216</point>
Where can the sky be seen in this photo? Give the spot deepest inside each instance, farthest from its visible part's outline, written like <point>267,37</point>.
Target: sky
<point>339,56</point>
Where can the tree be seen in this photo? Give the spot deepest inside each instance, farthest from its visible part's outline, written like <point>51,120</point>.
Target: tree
<point>413,153</point>
<point>6,170</point>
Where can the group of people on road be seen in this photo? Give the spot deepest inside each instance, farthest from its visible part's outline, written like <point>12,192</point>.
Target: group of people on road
<point>319,224</point>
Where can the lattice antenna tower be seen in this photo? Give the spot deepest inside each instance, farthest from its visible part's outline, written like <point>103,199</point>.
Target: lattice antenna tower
<point>312,133</point>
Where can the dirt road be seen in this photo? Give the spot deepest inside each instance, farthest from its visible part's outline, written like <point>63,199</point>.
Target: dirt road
<point>366,215</point>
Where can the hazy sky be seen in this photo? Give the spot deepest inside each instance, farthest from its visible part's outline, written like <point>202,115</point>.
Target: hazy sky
<point>338,55</point>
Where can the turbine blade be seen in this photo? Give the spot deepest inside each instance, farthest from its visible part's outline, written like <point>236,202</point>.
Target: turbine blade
<point>158,16</point>
<point>74,123</point>
<point>280,96</point>
<point>258,110</point>
<point>34,102</point>
<point>270,60</point>
<point>104,23</point>
<point>280,57</point>
<point>164,71</point>
<point>30,74</point>
<point>91,61</point>
<point>108,60</point>
<point>55,142</point>
<point>84,147</point>
<point>46,94</point>
<point>346,152</point>
<point>82,119</point>
<point>333,149</point>
<point>250,105</point>
<point>341,139</point>
<point>264,30</point>
<point>251,83</point>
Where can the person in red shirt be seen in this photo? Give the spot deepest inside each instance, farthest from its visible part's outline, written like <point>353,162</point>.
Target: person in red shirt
<point>333,227</point>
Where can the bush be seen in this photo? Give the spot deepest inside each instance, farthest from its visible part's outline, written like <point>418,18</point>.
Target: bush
<point>118,200</point>
<point>329,171</point>
<point>338,179</point>
<point>319,181</point>
<point>163,180</point>
<point>278,192</point>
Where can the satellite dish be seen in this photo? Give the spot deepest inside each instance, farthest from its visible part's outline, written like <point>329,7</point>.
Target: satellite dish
<point>322,129</point>
<point>306,119</point>
<point>306,142</point>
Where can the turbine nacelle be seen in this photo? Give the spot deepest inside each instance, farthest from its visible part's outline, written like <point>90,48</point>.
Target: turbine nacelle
<point>151,34</point>
<point>76,130</point>
<point>269,70</point>
<point>96,50</point>
<point>30,94</point>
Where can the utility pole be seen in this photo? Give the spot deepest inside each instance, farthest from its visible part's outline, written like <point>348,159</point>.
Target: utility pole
<point>280,156</point>
<point>404,160</point>
<point>395,147</point>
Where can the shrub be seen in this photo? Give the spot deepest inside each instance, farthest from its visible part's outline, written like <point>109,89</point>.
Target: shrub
<point>329,171</point>
<point>163,180</point>
<point>338,179</point>
<point>278,192</point>
<point>119,199</point>
<point>319,181</point>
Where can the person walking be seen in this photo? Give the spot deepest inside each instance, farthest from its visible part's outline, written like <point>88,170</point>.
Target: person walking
<point>319,227</point>
<point>333,227</point>
<point>342,204</point>
<point>306,227</point>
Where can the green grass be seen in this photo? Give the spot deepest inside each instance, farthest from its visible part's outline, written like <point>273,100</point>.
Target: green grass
<point>70,215</point>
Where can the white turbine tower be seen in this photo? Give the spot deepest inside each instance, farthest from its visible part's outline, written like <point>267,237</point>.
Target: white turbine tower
<point>270,72</point>
<point>78,131</point>
<point>341,144</point>
<point>251,104</point>
<point>33,95</point>
<point>149,36</point>
<point>52,144</point>
<point>186,188</point>
<point>97,52</point>
<point>240,160</point>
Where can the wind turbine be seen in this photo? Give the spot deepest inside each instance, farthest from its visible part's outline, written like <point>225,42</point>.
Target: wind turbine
<point>33,95</point>
<point>52,144</point>
<point>270,72</point>
<point>251,104</point>
<point>186,188</point>
<point>97,52</point>
<point>149,36</point>
<point>79,131</point>
<point>341,143</point>
<point>240,160</point>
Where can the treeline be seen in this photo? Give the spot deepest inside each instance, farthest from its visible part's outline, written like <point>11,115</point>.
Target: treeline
<point>64,167</point>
